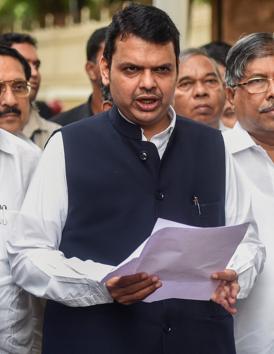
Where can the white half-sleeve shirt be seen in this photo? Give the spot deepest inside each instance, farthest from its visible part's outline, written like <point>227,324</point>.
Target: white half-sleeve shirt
<point>34,248</point>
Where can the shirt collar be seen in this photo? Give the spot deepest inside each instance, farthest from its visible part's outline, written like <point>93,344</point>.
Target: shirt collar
<point>239,139</point>
<point>6,145</point>
<point>33,123</point>
<point>164,133</point>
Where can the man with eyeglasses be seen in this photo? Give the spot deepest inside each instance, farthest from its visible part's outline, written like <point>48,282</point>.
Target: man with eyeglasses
<point>36,128</point>
<point>17,162</point>
<point>250,80</point>
<point>14,95</point>
<point>199,93</point>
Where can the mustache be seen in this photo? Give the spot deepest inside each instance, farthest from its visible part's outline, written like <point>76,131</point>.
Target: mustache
<point>267,108</point>
<point>10,110</point>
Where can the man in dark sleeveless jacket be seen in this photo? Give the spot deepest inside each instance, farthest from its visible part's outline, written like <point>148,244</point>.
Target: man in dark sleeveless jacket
<point>110,179</point>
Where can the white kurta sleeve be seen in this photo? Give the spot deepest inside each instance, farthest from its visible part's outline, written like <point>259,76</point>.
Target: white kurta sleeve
<point>36,263</point>
<point>249,257</point>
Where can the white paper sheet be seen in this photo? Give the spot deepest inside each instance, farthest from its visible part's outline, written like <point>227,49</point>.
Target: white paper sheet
<point>184,257</point>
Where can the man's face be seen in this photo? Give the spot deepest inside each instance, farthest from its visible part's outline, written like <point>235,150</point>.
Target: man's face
<point>255,112</point>
<point>142,81</point>
<point>199,93</point>
<point>93,68</point>
<point>14,111</point>
<point>228,116</point>
<point>29,52</point>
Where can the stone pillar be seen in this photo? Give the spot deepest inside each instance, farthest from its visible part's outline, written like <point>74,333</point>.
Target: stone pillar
<point>178,10</point>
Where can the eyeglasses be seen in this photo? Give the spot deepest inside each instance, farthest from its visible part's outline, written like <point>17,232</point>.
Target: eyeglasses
<point>19,88</point>
<point>210,83</point>
<point>255,85</point>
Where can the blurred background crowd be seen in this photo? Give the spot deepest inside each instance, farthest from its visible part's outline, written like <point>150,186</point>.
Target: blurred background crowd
<point>63,27</point>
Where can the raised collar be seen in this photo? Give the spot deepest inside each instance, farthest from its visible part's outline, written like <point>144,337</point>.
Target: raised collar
<point>238,139</point>
<point>131,130</point>
<point>6,142</point>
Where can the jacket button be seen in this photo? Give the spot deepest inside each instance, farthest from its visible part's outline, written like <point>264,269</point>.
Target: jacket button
<point>160,195</point>
<point>143,155</point>
<point>168,330</point>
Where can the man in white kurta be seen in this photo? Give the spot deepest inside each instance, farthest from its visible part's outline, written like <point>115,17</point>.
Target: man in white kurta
<point>254,323</point>
<point>17,162</point>
<point>252,145</point>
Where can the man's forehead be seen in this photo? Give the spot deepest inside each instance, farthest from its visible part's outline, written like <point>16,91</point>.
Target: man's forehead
<point>137,50</point>
<point>10,68</point>
<point>11,61</point>
<point>195,65</point>
<point>259,65</point>
<point>27,50</point>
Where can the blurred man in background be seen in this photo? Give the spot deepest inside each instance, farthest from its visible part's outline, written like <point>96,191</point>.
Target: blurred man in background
<point>218,51</point>
<point>94,51</point>
<point>36,128</point>
<point>200,93</point>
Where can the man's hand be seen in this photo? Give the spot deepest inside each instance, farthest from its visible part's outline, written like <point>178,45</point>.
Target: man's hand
<point>132,288</point>
<point>227,290</point>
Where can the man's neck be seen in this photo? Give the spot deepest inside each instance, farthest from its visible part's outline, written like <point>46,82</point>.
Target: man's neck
<point>149,132</point>
<point>96,101</point>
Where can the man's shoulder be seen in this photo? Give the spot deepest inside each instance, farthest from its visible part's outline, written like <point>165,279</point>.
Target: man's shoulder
<point>94,122</point>
<point>17,147</point>
<point>237,139</point>
<point>37,123</point>
<point>47,125</point>
<point>73,115</point>
<point>194,127</point>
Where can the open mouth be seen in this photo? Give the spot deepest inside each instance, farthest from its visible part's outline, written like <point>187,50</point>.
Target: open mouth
<point>147,103</point>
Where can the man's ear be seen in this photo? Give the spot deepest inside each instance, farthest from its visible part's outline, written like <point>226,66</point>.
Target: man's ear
<point>230,94</point>
<point>105,72</point>
<point>91,70</point>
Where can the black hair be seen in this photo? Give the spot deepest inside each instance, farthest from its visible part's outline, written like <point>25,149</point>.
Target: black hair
<point>146,22</point>
<point>94,42</point>
<point>217,50</point>
<point>10,38</point>
<point>106,94</point>
<point>11,52</point>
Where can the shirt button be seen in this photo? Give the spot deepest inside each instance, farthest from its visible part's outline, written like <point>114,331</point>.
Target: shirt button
<point>160,195</point>
<point>143,155</point>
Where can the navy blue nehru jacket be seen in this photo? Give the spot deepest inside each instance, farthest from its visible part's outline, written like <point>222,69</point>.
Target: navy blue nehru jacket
<point>117,188</point>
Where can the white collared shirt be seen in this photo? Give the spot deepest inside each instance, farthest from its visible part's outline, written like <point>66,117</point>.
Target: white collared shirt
<point>254,323</point>
<point>39,129</point>
<point>161,139</point>
<point>35,246</point>
<point>17,163</point>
